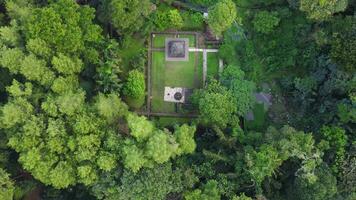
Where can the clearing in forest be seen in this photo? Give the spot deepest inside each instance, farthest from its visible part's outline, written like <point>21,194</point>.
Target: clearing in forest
<point>187,72</point>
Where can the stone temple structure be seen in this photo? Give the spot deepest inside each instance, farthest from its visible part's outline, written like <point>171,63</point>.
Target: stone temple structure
<point>177,94</point>
<point>177,49</point>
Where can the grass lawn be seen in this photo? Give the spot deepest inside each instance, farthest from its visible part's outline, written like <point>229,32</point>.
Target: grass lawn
<point>172,74</point>
<point>188,74</point>
<point>213,65</point>
<point>159,41</point>
<point>258,123</point>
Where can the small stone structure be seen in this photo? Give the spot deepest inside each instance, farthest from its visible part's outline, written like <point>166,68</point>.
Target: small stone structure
<point>177,94</point>
<point>177,49</point>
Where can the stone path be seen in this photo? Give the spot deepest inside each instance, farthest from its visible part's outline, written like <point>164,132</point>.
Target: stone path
<point>205,65</point>
<point>202,50</point>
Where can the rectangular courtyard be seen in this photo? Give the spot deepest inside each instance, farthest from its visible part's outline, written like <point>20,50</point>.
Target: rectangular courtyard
<point>186,74</point>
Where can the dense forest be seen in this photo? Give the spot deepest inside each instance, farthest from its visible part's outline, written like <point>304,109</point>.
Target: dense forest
<point>74,94</point>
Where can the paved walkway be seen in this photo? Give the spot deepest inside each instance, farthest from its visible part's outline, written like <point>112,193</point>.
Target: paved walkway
<point>202,50</point>
<point>205,65</point>
<point>221,66</point>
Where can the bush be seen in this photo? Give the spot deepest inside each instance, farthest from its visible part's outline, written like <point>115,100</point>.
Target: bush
<point>134,88</point>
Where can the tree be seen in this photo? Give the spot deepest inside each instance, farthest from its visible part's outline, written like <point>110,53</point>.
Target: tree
<point>175,19</point>
<point>125,15</point>
<point>337,141</point>
<point>242,90</point>
<point>343,42</point>
<point>221,16</point>
<point>216,105</point>
<point>265,22</point>
<point>263,163</point>
<point>66,27</point>
<point>140,127</point>
<point>6,186</point>
<point>323,188</point>
<point>110,106</point>
<point>160,147</point>
<point>278,147</point>
<point>148,184</point>
<point>185,138</point>
<point>135,87</point>
<point>107,74</point>
<point>151,145</point>
<point>322,9</point>
<point>242,197</point>
<point>58,134</point>
<point>210,191</point>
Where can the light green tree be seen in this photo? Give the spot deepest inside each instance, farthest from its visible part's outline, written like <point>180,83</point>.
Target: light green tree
<point>265,22</point>
<point>135,88</point>
<point>210,191</point>
<point>159,147</point>
<point>6,186</point>
<point>221,16</point>
<point>110,106</point>
<point>185,138</point>
<point>322,9</point>
<point>140,127</point>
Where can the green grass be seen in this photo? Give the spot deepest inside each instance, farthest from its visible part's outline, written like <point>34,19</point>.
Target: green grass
<point>260,117</point>
<point>213,65</point>
<point>132,48</point>
<point>173,74</point>
<point>159,40</point>
<point>190,37</point>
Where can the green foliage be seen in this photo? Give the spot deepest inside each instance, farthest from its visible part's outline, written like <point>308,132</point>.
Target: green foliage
<point>140,127</point>
<point>11,59</point>
<point>216,104</point>
<point>107,76</point>
<point>6,186</point>
<point>66,65</point>
<point>151,145</point>
<point>263,163</point>
<point>9,35</point>
<point>166,18</point>
<point>66,27</point>
<point>110,106</point>
<point>343,42</point>
<point>322,9</point>
<point>265,22</point>
<point>324,188</point>
<point>210,191</point>
<point>278,147</point>
<point>221,16</point>
<point>39,48</point>
<point>175,19</point>
<point>242,90</point>
<point>125,15</point>
<point>160,147</point>
<point>337,140</point>
<point>133,157</point>
<point>147,184</point>
<point>35,69</point>
<point>185,138</point>
<point>135,86</point>
<point>242,197</point>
